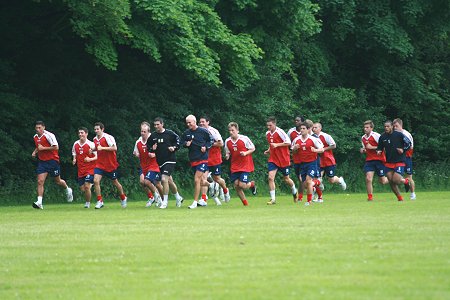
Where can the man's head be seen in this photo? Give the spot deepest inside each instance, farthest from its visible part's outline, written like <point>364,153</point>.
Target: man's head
<point>191,122</point>
<point>39,127</point>
<point>145,130</point>
<point>368,127</point>
<point>304,129</point>
<point>204,121</point>
<point>233,129</point>
<point>99,128</point>
<point>388,126</point>
<point>83,133</point>
<point>317,128</point>
<point>398,124</point>
<point>298,121</point>
<point>158,123</point>
<point>271,123</point>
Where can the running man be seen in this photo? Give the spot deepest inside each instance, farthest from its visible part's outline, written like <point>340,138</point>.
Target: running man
<point>48,162</point>
<point>327,160</point>
<point>164,143</point>
<point>149,173</point>
<point>107,164</point>
<point>306,149</point>
<point>84,158</point>
<point>398,126</point>
<point>198,141</point>
<point>215,156</point>
<point>279,158</point>
<point>374,162</point>
<point>239,149</point>
<point>394,144</point>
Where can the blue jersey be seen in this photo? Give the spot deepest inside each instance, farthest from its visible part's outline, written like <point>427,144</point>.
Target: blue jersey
<point>200,137</point>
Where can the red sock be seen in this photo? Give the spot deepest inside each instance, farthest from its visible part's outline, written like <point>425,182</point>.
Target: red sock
<point>225,190</point>
<point>252,184</point>
<point>123,196</point>
<point>204,197</point>
<point>400,198</point>
<point>150,194</point>
<point>316,182</point>
<point>406,181</point>
<point>319,192</point>
<point>99,198</point>
<point>369,197</point>
<point>245,202</point>
<point>309,197</point>
<point>300,196</point>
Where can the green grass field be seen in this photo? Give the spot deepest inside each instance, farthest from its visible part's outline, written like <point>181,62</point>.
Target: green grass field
<point>345,248</point>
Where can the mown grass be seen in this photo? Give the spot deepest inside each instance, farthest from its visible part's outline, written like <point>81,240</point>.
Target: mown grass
<point>345,248</point>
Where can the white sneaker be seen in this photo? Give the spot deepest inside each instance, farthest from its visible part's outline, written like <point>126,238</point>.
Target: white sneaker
<point>307,203</point>
<point>87,205</point>
<point>37,205</point>
<point>99,205</point>
<point>320,200</point>
<point>342,182</point>
<point>227,197</point>
<point>412,196</point>
<point>69,194</point>
<point>222,195</point>
<point>179,201</point>
<point>158,201</point>
<point>193,205</point>
<point>163,204</point>
<point>217,200</point>
<point>202,202</point>
<point>123,202</point>
<point>150,202</point>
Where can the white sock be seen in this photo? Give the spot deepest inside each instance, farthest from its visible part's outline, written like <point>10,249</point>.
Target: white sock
<point>272,195</point>
<point>177,195</point>
<point>166,198</point>
<point>341,179</point>
<point>294,189</point>
<point>39,199</point>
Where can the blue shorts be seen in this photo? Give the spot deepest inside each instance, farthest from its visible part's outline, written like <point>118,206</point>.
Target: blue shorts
<point>306,169</point>
<point>203,167</point>
<point>318,167</point>
<point>409,166</point>
<point>215,170</point>
<point>89,178</point>
<point>375,166</point>
<point>241,176</point>
<point>111,175</point>
<point>153,176</point>
<point>271,166</point>
<point>48,166</point>
<point>330,171</point>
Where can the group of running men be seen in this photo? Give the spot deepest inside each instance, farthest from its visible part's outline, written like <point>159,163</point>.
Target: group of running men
<point>310,148</point>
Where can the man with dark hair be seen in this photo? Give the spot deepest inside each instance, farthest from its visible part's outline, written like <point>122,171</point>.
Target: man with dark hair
<point>107,164</point>
<point>398,126</point>
<point>279,158</point>
<point>84,158</point>
<point>164,143</point>
<point>394,144</point>
<point>48,162</point>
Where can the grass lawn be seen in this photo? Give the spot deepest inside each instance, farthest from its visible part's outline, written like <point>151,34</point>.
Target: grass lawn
<point>345,248</point>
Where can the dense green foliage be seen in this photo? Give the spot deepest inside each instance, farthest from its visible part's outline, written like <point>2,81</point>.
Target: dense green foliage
<point>72,63</point>
<point>345,248</point>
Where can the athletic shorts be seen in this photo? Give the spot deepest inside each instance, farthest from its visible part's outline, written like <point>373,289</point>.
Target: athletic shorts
<point>241,176</point>
<point>271,166</point>
<point>203,167</point>
<point>111,175</point>
<point>51,167</point>
<point>396,167</point>
<point>306,169</point>
<point>215,170</point>
<point>153,176</point>
<point>167,168</point>
<point>330,171</point>
<point>375,166</point>
<point>318,167</point>
<point>408,166</point>
<point>89,178</point>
